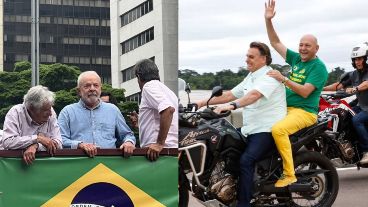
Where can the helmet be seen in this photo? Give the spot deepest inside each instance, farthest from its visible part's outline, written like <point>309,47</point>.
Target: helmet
<point>360,50</point>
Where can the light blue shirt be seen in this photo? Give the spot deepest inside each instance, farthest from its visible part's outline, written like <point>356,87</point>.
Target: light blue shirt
<point>266,111</point>
<point>102,126</point>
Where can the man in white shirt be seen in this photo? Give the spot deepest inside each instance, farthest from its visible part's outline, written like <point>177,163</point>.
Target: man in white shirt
<point>158,111</point>
<point>264,102</point>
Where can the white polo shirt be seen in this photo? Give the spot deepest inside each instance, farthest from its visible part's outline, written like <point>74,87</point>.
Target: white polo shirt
<point>157,97</point>
<point>269,109</point>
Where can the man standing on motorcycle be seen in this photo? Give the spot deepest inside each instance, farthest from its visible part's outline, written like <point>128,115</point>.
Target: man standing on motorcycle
<point>303,88</point>
<point>264,102</point>
<point>358,84</point>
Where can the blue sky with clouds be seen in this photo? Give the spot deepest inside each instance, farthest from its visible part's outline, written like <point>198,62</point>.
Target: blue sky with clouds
<point>214,34</point>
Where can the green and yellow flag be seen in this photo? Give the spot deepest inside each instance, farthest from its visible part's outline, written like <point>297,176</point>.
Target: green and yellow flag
<point>109,181</point>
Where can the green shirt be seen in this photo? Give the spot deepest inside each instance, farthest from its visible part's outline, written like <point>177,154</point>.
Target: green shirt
<point>314,72</point>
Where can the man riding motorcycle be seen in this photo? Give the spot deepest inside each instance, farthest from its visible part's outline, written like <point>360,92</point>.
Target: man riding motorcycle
<point>358,84</point>
<point>258,94</point>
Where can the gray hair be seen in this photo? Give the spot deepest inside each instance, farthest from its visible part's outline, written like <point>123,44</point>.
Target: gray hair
<point>86,73</point>
<point>146,70</point>
<point>37,96</point>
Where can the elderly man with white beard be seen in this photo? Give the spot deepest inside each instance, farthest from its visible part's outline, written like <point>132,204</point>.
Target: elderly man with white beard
<point>92,123</point>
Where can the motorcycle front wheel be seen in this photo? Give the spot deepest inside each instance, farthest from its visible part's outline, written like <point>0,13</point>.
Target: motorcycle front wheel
<point>315,169</point>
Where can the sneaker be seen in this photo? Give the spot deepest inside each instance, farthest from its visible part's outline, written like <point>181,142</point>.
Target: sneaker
<point>364,160</point>
<point>285,180</point>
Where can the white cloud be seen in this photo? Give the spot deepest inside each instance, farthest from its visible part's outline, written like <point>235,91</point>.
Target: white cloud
<point>215,35</point>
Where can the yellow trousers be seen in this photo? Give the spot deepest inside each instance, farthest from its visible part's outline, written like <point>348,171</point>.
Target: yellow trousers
<point>295,120</point>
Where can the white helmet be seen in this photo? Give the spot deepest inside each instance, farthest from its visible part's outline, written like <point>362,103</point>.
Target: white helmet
<point>360,50</point>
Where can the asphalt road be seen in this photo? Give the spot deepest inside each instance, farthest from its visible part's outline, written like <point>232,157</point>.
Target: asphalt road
<point>353,191</point>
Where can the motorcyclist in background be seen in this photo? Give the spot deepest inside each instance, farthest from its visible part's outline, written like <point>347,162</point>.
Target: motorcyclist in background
<point>358,84</point>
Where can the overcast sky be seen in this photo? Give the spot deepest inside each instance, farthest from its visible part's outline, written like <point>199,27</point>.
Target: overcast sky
<point>215,34</point>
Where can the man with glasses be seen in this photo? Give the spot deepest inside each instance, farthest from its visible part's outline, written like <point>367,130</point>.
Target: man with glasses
<point>263,99</point>
<point>92,123</point>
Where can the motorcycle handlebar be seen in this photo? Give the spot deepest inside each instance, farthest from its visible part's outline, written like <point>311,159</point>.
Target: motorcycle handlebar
<point>209,114</point>
<point>337,95</point>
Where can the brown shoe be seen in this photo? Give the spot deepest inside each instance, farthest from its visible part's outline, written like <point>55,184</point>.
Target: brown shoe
<point>364,160</point>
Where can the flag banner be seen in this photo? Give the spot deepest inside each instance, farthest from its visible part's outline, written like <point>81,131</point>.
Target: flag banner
<point>72,180</point>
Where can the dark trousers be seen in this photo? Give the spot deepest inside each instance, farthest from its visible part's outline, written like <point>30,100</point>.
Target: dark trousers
<point>258,145</point>
<point>359,122</point>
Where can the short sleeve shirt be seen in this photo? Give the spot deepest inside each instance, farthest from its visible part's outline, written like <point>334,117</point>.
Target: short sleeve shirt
<point>270,108</point>
<point>313,72</point>
<point>157,97</point>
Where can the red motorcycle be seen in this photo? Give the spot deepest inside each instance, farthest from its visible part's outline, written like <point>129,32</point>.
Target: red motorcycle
<point>340,142</point>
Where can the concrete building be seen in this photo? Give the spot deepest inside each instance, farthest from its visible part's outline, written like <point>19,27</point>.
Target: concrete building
<point>73,32</point>
<point>143,29</point>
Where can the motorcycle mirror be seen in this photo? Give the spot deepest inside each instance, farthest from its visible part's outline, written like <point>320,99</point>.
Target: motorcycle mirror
<point>181,84</point>
<point>216,91</point>
<point>187,88</point>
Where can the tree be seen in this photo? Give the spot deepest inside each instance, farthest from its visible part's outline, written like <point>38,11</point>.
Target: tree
<point>59,76</point>
<point>334,75</point>
<point>21,66</point>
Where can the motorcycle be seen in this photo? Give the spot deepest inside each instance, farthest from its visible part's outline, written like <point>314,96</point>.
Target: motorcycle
<point>209,151</point>
<point>340,141</point>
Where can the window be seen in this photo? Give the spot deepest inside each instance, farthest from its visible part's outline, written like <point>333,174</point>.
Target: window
<point>47,58</point>
<point>135,97</point>
<point>129,73</point>
<point>136,12</point>
<point>137,40</point>
<point>21,57</point>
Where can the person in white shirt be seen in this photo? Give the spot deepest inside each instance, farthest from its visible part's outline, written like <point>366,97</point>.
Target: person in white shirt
<point>158,111</point>
<point>264,102</point>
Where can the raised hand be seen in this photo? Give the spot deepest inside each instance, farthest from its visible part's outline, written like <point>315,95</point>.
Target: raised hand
<point>270,9</point>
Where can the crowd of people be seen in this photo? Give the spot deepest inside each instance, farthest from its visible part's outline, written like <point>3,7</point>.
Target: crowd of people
<point>94,122</point>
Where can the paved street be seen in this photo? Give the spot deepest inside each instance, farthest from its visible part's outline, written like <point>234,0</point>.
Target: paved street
<point>353,190</point>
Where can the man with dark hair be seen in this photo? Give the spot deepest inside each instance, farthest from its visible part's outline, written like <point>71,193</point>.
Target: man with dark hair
<point>357,84</point>
<point>158,111</point>
<point>263,99</point>
<point>107,97</point>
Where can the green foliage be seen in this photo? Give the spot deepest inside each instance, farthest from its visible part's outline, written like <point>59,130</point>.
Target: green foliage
<point>116,92</point>
<point>59,78</point>
<point>334,75</point>
<point>3,112</point>
<point>63,98</point>
<point>65,75</point>
<point>21,66</point>
<point>228,79</point>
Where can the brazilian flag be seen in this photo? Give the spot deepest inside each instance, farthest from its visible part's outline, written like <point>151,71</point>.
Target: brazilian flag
<point>79,181</point>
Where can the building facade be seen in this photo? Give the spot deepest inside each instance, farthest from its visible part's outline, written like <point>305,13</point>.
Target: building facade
<point>72,32</point>
<point>143,29</point>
